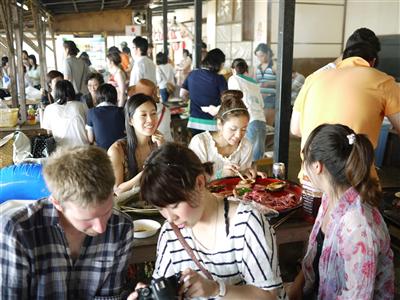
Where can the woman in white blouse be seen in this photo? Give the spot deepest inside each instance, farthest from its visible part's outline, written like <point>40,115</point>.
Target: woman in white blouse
<point>228,147</point>
<point>66,118</point>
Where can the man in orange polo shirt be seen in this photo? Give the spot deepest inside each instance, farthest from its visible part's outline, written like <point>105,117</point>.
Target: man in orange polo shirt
<point>354,94</point>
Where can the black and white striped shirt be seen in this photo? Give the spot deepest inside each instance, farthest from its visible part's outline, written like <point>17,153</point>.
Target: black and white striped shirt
<point>248,255</point>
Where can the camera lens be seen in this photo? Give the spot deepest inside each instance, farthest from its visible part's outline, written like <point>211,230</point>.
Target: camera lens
<point>145,292</point>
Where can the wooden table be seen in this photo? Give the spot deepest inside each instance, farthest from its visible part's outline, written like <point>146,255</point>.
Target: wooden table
<point>295,229</point>
<point>29,130</point>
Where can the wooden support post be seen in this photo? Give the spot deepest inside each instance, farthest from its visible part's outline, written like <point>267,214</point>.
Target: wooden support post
<point>6,18</point>
<point>18,31</point>
<point>43,60</point>
<point>149,24</point>
<point>40,32</point>
<point>53,41</point>
<point>198,17</point>
<point>31,43</point>
<point>165,26</point>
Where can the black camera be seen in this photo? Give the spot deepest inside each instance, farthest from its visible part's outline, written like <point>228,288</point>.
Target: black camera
<point>161,289</point>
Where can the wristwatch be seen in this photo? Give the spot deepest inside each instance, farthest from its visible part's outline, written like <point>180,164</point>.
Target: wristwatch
<point>222,289</point>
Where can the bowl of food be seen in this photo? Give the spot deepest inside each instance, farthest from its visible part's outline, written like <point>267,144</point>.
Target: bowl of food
<point>145,228</point>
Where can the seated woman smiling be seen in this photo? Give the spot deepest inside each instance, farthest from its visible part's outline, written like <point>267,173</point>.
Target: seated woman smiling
<point>228,147</point>
<point>233,243</point>
<point>128,155</point>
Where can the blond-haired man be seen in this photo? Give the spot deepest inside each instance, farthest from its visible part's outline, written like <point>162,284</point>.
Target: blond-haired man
<point>73,245</point>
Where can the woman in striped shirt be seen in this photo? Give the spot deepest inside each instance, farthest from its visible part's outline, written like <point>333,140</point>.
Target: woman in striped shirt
<point>266,77</point>
<point>233,242</point>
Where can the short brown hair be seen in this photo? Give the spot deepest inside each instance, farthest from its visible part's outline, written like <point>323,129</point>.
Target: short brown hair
<point>83,175</point>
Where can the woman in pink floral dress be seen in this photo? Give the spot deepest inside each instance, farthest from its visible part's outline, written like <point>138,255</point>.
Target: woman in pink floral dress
<point>348,255</point>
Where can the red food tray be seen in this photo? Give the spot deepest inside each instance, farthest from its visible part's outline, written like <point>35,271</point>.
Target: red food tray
<point>225,186</point>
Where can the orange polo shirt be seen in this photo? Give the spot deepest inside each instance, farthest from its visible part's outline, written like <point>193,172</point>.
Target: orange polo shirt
<point>124,61</point>
<point>352,94</point>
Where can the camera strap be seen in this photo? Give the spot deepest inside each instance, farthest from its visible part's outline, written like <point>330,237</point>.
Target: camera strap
<point>190,251</point>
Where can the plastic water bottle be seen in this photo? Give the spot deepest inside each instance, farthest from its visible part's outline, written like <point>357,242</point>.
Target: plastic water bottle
<point>31,115</point>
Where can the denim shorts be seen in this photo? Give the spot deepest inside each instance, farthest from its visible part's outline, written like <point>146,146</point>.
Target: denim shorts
<point>269,101</point>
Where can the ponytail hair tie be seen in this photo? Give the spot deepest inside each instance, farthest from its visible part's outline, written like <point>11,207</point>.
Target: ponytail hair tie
<point>352,138</point>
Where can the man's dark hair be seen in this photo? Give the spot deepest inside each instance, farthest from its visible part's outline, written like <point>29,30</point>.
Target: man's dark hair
<point>214,60</point>
<point>53,74</point>
<point>107,93</point>
<point>362,49</point>
<point>96,76</point>
<point>161,58</point>
<point>364,35</point>
<point>142,44</point>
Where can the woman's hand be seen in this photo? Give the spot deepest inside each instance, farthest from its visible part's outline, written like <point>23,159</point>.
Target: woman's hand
<point>250,173</point>
<point>195,285</point>
<point>295,291</point>
<point>230,170</point>
<point>135,294</point>
<point>158,138</point>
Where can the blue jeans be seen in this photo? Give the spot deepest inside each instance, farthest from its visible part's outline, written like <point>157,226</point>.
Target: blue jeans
<point>256,133</point>
<point>164,95</point>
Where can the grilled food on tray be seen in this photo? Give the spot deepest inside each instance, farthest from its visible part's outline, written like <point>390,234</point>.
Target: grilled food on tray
<point>244,186</point>
<point>276,186</point>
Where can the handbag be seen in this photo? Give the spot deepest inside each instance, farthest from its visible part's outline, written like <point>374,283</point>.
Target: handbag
<point>170,88</point>
<point>43,145</point>
<point>190,251</point>
<point>170,85</point>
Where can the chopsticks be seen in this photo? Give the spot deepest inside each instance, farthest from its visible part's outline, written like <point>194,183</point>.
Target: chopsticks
<point>240,175</point>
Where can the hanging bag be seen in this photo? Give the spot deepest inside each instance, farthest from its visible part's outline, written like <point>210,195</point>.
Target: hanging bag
<point>190,251</point>
<point>43,145</point>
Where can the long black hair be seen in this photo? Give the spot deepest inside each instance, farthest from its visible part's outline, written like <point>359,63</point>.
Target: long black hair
<point>348,158</point>
<point>169,175</point>
<point>33,57</point>
<point>130,107</point>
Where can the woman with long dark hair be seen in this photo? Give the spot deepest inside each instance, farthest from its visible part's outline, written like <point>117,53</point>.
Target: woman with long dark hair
<point>33,73</point>
<point>348,255</point>
<point>128,155</point>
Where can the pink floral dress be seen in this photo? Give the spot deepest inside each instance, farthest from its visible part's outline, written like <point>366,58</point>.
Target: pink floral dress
<point>356,260</point>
